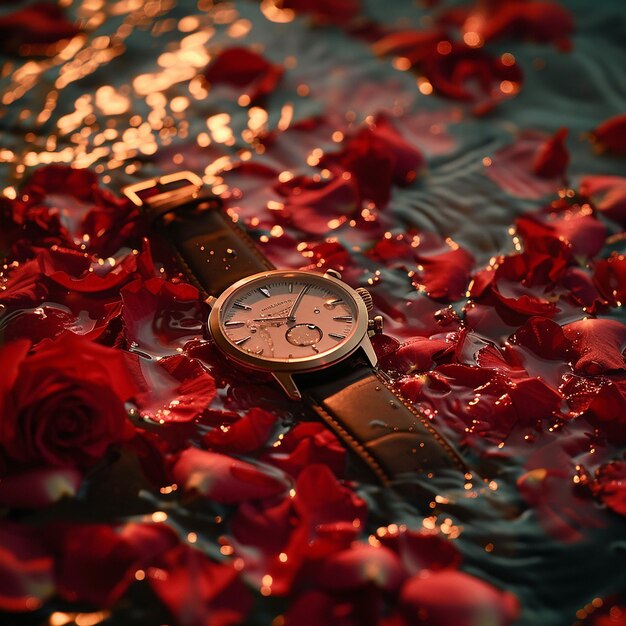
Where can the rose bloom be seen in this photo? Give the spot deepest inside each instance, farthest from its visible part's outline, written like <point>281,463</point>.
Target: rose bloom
<point>62,404</point>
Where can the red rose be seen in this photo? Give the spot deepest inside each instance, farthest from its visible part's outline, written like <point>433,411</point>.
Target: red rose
<point>63,404</point>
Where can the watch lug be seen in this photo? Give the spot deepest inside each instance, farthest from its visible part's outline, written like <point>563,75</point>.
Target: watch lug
<point>211,300</point>
<point>368,349</point>
<point>286,381</point>
<point>332,274</point>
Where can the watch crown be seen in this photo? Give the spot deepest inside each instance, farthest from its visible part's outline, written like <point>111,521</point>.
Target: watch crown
<point>375,326</point>
<point>366,296</point>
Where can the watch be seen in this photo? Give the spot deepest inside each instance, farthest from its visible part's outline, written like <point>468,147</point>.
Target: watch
<point>309,330</point>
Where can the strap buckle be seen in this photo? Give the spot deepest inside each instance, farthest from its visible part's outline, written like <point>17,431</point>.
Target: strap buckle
<point>164,193</point>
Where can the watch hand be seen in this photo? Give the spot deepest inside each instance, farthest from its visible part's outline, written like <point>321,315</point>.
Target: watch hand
<point>291,314</point>
<point>270,319</point>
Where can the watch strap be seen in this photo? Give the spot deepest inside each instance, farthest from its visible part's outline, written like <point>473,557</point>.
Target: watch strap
<point>383,429</point>
<point>212,249</point>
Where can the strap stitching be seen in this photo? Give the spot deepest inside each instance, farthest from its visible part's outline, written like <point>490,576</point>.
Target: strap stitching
<point>452,454</point>
<point>354,443</point>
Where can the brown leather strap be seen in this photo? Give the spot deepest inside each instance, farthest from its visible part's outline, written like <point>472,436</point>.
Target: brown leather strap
<point>213,250</point>
<point>393,439</point>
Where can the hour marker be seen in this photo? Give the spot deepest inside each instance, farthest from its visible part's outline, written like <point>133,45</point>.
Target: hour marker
<point>233,324</point>
<point>245,307</point>
<point>343,318</point>
<point>335,336</point>
<point>264,291</point>
<point>241,341</point>
<point>290,287</point>
<point>335,301</point>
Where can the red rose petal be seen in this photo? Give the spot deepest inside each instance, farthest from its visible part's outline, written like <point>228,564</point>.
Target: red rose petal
<point>23,285</point>
<point>39,23</point>
<point>38,488</point>
<point>26,568</point>
<point>241,67</point>
<point>160,317</point>
<point>415,355</point>
<point>599,345</point>
<point>453,597</point>
<point>225,479</point>
<point>307,444</point>
<point>95,566</point>
<point>537,20</point>
<point>543,337</point>
<point>610,278</point>
<point>608,194</point>
<point>361,566</point>
<point>512,168</point>
<point>552,158</point>
<point>197,590</point>
<point>247,434</point>
<point>332,11</point>
<point>445,275</point>
<point>610,136</point>
<point>315,207</point>
<point>174,389</point>
<point>610,486</point>
<point>422,551</point>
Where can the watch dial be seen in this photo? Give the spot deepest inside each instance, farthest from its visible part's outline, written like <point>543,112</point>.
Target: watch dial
<point>284,318</point>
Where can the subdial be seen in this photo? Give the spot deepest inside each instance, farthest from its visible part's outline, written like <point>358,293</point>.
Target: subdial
<point>304,335</point>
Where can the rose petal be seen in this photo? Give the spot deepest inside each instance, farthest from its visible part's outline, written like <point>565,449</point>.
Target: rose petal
<point>332,11</point>
<point>598,344</point>
<point>421,551</point>
<point>317,207</point>
<point>445,275</point>
<point>415,355</point>
<point>241,67</point>
<point>536,20</point>
<point>452,597</point>
<point>224,479</point>
<point>247,434</point>
<point>552,158</point>
<point>26,568</point>
<point>307,444</point>
<point>610,278</point>
<point>608,194</point>
<point>512,167</point>
<point>159,316</point>
<point>38,488</point>
<point>197,590</point>
<point>39,23</point>
<point>362,565</point>
<point>174,389</point>
<point>610,486</point>
<point>610,135</point>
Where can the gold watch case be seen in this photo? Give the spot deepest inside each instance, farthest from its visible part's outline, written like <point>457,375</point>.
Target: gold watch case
<point>284,369</point>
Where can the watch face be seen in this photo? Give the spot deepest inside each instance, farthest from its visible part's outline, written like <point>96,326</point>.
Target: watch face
<point>288,318</point>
